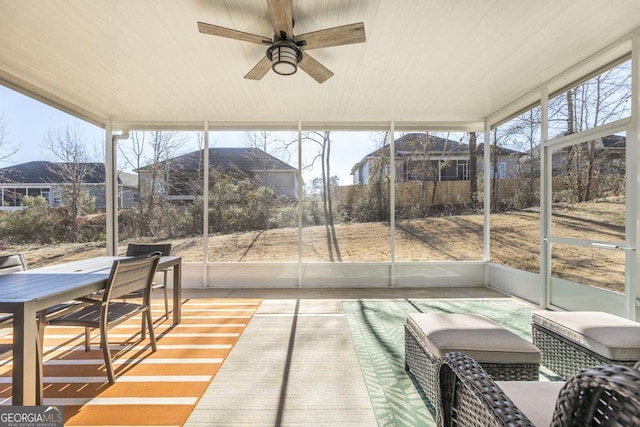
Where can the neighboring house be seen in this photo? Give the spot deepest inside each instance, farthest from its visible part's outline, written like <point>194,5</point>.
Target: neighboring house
<point>507,163</point>
<point>39,178</point>
<point>182,176</point>
<point>609,150</point>
<point>425,157</point>
<point>614,148</point>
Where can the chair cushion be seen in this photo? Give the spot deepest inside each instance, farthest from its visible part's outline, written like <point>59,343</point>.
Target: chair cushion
<point>535,399</point>
<point>477,336</point>
<point>608,335</point>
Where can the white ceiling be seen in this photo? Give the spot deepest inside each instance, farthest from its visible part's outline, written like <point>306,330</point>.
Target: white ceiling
<point>423,61</point>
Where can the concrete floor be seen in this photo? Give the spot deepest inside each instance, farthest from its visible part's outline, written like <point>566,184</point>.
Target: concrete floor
<point>295,363</point>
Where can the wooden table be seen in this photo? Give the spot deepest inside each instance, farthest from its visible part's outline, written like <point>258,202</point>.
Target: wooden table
<point>26,293</point>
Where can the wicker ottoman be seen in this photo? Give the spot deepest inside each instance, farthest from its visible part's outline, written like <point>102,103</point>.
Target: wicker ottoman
<point>574,340</point>
<point>503,354</point>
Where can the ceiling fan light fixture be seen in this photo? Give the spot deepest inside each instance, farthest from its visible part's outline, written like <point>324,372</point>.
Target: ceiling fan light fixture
<point>284,56</point>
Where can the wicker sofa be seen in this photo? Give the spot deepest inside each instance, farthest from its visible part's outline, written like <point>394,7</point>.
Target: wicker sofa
<point>573,340</point>
<point>606,395</point>
<point>502,353</point>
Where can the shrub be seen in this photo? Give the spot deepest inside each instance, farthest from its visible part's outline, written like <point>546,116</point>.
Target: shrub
<point>33,224</point>
<point>525,197</point>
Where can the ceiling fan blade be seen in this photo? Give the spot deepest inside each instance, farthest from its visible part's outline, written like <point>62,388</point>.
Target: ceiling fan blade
<point>260,69</point>
<point>336,36</point>
<point>215,30</point>
<point>316,70</point>
<point>281,17</point>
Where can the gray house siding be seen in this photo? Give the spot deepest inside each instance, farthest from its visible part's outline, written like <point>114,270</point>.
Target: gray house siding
<point>283,183</point>
<point>127,197</point>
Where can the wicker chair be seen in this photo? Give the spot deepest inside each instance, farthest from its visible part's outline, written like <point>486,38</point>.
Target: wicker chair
<point>605,395</point>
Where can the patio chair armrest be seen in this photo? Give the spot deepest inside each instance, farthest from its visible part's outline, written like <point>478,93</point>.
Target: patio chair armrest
<point>601,395</point>
<point>89,300</point>
<point>469,396</point>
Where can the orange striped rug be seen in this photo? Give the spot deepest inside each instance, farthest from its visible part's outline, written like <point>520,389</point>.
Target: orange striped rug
<point>160,388</point>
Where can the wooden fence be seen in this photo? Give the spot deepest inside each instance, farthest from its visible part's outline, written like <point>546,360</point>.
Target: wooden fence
<point>408,193</point>
<point>459,192</point>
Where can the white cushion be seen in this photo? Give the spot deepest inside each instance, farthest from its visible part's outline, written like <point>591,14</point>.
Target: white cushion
<point>611,336</point>
<point>475,335</point>
<point>535,399</point>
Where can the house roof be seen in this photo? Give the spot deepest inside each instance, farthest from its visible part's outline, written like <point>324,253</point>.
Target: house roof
<point>243,158</point>
<point>614,141</point>
<point>140,64</point>
<point>611,143</point>
<point>43,172</point>
<point>502,151</point>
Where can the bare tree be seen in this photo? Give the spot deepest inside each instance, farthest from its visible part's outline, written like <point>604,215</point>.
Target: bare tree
<point>434,168</point>
<point>323,141</point>
<point>71,165</point>
<point>599,100</point>
<point>132,152</point>
<point>427,156</point>
<point>270,144</point>
<point>264,146</point>
<point>473,169</point>
<point>6,148</point>
<point>493,159</point>
<point>150,154</point>
<point>522,135</point>
<point>530,129</point>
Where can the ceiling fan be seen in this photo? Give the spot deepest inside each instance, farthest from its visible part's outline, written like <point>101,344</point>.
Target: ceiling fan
<point>286,51</point>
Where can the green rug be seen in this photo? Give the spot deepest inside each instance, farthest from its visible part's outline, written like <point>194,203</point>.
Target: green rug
<point>377,329</point>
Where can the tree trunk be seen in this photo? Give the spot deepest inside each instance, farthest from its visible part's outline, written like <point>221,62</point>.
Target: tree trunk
<point>325,207</point>
<point>571,124</point>
<point>494,179</point>
<point>473,169</point>
<point>571,161</point>
<point>332,228</point>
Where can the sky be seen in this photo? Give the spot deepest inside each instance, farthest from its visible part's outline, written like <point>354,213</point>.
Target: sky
<point>27,124</point>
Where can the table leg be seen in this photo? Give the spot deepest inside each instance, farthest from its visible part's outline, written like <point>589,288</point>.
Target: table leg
<point>177,293</point>
<point>25,332</point>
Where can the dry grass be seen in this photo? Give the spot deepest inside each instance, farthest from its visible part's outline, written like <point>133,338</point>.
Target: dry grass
<point>515,238</point>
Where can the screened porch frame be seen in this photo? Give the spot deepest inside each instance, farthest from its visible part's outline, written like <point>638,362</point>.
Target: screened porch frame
<point>538,288</point>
